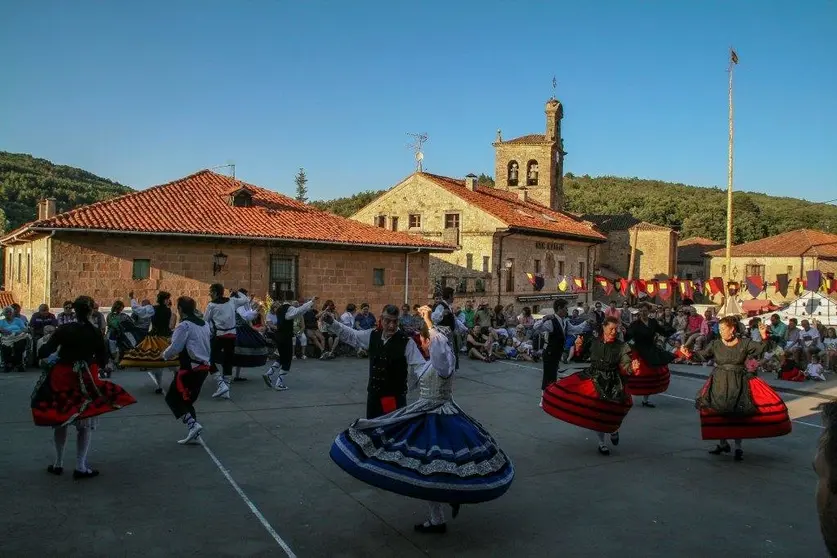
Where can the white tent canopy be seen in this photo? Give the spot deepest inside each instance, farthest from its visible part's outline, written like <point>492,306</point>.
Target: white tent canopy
<point>810,306</point>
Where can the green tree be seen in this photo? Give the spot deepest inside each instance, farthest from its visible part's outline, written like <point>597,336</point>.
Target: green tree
<point>301,189</point>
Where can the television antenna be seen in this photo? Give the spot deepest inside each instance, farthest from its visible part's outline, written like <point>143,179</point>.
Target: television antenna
<point>230,166</point>
<point>419,141</point>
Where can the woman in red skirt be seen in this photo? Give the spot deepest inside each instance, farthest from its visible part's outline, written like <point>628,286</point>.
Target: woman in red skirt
<point>595,398</point>
<point>653,375</point>
<point>734,403</point>
<point>70,391</point>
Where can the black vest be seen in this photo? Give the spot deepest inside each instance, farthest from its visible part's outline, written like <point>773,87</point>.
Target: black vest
<point>160,321</point>
<point>448,320</point>
<point>387,364</point>
<point>555,340</point>
<point>284,326</point>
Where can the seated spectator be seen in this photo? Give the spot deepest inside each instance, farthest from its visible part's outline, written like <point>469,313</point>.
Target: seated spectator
<point>479,343</point>
<point>692,329</point>
<point>814,370</point>
<point>68,315</point>
<point>331,341</point>
<point>39,320</point>
<point>364,320</point>
<point>810,338</point>
<point>14,340</point>
<point>406,321</point>
<point>482,317</point>
<point>830,347</point>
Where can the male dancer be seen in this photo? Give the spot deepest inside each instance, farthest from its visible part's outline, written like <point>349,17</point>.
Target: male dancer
<point>220,314</point>
<point>392,356</point>
<point>555,326</point>
<point>284,338</point>
<point>191,344</point>
<point>443,316</point>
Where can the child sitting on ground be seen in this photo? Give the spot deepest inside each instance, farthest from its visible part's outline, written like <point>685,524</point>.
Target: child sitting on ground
<point>814,371</point>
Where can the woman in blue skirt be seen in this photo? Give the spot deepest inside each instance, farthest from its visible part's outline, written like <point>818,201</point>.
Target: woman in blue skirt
<point>430,449</point>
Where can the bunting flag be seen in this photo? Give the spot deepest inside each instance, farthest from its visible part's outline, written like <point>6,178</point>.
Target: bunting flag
<point>733,57</point>
<point>686,288</point>
<point>606,285</point>
<point>651,288</point>
<point>832,288</point>
<point>664,288</point>
<point>781,284</point>
<point>562,284</point>
<point>531,278</point>
<point>624,284</point>
<point>579,284</point>
<point>716,285</point>
<point>814,280</point>
<point>755,285</point>
<point>537,281</point>
<point>641,286</point>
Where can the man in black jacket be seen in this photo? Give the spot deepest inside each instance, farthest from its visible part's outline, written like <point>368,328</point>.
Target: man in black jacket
<point>555,327</point>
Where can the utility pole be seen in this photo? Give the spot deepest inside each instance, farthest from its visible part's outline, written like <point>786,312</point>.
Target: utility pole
<point>733,61</point>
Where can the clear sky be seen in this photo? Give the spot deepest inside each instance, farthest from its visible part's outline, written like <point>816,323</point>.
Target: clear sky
<point>147,92</point>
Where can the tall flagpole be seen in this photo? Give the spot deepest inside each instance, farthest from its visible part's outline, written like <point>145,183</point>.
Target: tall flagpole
<point>733,60</point>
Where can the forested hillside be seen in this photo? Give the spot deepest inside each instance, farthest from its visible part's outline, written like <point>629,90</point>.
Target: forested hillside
<point>24,180</point>
<point>694,211</point>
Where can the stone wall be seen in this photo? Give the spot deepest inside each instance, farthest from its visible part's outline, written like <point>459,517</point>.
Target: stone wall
<point>25,272</point>
<point>692,271</point>
<point>102,267</point>
<point>550,191</point>
<point>656,253</point>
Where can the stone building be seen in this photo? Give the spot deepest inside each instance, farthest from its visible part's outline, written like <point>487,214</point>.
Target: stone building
<point>793,253</point>
<point>207,228</point>
<point>691,257</point>
<point>500,236</point>
<point>655,256</point>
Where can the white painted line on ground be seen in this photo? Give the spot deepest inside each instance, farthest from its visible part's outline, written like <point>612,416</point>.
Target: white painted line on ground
<point>268,527</point>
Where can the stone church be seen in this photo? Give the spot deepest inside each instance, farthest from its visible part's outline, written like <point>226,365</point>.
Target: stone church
<point>510,238</point>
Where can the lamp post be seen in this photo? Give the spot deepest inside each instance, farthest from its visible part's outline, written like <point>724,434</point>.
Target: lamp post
<point>219,261</point>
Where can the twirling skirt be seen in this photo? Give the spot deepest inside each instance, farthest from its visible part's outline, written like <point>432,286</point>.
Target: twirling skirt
<point>251,349</point>
<point>771,418</point>
<point>648,380</point>
<point>149,354</point>
<point>66,394</point>
<point>575,400</point>
<point>428,450</point>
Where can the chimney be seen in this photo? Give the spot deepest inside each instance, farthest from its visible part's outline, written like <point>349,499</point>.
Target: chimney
<point>523,195</point>
<point>46,208</point>
<point>471,181</point>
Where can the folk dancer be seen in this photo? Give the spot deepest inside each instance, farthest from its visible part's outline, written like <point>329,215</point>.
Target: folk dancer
<point>430,449</point>
<point>286,315</point>
<point>392,354</point>
<point>555,327</point>
<point>148,354</point>
<point>251,350</point>
<point>595,398</point>
<point>443,316</point>
<point>221,316</point>
<point>70,392</point>
<point>653,375</point>
<point>735,403</point>
<point>191,344</point>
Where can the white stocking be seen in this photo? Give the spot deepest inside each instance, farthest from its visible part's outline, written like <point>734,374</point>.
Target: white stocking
<point>601,436</point>
<point>437,513</point>
<point>82,448</point>
<point>59,438</point>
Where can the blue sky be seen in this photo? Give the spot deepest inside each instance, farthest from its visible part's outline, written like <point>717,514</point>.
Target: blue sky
<point>147,92</point>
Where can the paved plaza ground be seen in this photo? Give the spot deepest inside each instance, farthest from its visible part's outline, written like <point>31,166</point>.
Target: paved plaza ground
<point>264,479</point>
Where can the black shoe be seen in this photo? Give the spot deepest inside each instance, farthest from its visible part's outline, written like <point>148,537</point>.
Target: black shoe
<point>604,450</point>
<point>85,474</point>
<point>739,455</point>
<point>430,528</point>
<point>240,379</point>
<point>719,449</point>
<point>55,470</point>
<point>455,510</point>
<point>158,391</point>
<point>614,438</point>
<point>648,404</point>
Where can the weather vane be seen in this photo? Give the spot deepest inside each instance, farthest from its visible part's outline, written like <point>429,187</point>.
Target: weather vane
<point>554,86</point>
<point>416,146</point>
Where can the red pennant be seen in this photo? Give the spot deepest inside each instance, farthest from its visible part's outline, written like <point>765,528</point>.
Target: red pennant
<point>651,288</point>
<point>665,290</point>
<point>606,285</point>
<point>624,284</point>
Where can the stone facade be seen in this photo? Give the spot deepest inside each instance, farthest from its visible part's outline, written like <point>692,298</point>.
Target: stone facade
<point>102,266</point>
<point>794,266</point>
<point>541,153</point>
<point>656,252</point>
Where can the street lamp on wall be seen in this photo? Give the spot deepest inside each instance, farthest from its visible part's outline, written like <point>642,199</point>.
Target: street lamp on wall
<point>219,261</point>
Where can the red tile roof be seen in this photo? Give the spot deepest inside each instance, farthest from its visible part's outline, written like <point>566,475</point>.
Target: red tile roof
<point>802,242</point>
<point>527,140</point>
<point>507,207</point>
<point>692,250</point>
<point>198,205</point>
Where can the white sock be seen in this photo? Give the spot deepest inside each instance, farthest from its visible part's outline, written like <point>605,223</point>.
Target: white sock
<point>645,399</point>
<point>158,376</point>
<point>59,438</point>
<point>601,436</point>
<point>237,371</point>
<point>437,513</point>
<point>82,448</point>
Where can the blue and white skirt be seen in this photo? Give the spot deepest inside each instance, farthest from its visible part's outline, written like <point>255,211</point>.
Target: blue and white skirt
<point>251,350</point>
<point>430,450</point>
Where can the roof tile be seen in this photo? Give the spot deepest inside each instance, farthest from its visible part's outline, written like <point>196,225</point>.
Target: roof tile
<point>801,242</point>
<point>507,207</point>
<point>198,205</point>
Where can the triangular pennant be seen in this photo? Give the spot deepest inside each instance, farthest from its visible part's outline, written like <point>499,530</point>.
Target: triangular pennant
<point>539,282</point>
<point>531,278</point>
<point>685,288</point>
<point>782,284</point>
<point>578,282</point>
<point>755,285</point>
<point>813,280</point>
<point>716,285</point>
<point>606,285</point>
<point>563,285</point>
<point>664,288</point>
<point>651,287</point>
<point>624,284</point>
